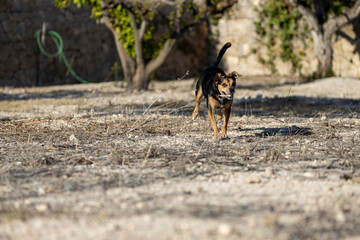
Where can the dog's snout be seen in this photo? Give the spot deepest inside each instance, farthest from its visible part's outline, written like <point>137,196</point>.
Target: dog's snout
<point>232,90</point>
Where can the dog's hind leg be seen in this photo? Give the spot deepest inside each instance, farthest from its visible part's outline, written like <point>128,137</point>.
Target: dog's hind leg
<point>199,96</point>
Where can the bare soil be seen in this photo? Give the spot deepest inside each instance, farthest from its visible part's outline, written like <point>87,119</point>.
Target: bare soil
<point>96,162</point>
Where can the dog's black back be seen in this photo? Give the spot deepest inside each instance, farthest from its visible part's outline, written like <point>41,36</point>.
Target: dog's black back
<point>206,78</point>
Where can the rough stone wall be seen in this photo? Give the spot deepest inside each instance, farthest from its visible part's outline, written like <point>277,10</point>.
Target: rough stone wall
<point>238,28</point>
<point>91,50</point>
<point>88,46</point>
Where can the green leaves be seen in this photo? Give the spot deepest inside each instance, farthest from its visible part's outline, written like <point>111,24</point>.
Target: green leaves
<point>120,20</point>
<point>276,27</point>
<point>181,16</point>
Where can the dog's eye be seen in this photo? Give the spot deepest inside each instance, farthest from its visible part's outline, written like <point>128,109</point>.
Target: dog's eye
<point>224,85</point>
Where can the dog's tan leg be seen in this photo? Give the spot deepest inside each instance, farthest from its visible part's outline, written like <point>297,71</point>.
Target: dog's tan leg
<point>198,99</point>
<point>213,122</point>
<point>226,121</point>
<point>212,105</point>
<point>219,115</point>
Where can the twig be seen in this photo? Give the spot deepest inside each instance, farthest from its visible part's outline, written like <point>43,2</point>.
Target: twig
<point>147,156</point>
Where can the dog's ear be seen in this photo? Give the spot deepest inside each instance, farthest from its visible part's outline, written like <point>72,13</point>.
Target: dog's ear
<point>234,75</point>
<point>217,78</point>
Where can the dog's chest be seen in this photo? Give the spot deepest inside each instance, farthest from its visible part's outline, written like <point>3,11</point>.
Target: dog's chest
<point>222,103</point>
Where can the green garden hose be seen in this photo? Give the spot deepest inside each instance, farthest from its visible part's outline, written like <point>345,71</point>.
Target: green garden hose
<point>60,47</point>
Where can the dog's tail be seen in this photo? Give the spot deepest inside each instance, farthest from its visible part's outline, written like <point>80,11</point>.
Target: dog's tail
<point>221,53</point>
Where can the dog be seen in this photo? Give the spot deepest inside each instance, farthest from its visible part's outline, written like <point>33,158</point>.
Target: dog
<point>218,89</point>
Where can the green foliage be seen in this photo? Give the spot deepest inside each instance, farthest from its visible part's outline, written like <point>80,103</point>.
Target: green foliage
<point>336,7</point>
<point>277,25</point>
<point>121,22</point>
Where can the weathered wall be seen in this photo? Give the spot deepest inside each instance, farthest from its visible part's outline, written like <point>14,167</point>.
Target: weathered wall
<point>88,46</point>
<point>239,29</point>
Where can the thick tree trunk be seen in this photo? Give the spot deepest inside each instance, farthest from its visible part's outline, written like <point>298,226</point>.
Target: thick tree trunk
<point>323,52</point>
<point>322,31</point>
<point>127,63</point>
<point>139,80</point>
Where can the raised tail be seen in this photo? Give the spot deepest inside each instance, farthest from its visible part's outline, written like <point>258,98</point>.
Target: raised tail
<point>221,53</point>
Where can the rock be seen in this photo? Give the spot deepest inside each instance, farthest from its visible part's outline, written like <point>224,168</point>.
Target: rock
<point>41,207</point>
<point>269,172</point>
<point>224,229</point>
<point>252,180</point>
<point>73,139</point>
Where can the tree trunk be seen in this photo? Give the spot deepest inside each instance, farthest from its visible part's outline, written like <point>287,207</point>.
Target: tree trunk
<point>136,72</point>
<point>140,79</point>
<point>323,53</point>
<point>127,63</point>
<point>322,33</point>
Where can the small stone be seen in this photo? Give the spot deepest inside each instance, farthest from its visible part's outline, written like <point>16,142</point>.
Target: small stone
<point>224,229</point>
<point>269,171</point>
<point>309,175</point>
<point>340,217</point>
<point>253,180</point>
<point>41,207</point>
<point>73,139</point>
<point>41,191</point>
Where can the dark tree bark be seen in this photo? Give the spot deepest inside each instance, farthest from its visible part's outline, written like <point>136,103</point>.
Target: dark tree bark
<point>322,30</point>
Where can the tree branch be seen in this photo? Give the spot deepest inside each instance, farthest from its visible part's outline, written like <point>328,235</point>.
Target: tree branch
<point>142,29</point>
<point>309,16</point>
<point>334,24</point>
<point>164,52</point>
<point>138,39</point>
<point>126,61</point>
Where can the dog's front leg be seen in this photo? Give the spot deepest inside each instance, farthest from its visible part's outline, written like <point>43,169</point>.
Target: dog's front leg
<point>213,122</point>
<point>227,113</point>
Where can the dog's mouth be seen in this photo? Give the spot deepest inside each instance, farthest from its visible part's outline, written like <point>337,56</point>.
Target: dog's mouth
<point>227,96</point>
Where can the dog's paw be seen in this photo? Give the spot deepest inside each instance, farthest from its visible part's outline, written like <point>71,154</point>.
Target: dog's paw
<point>224,135</point>
<point>194,116</point>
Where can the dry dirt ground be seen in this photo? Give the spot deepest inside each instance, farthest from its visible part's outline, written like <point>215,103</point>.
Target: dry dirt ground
<point>96,162</point>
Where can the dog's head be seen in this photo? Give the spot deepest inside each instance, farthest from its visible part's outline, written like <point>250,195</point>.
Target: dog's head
<point>226,84</point>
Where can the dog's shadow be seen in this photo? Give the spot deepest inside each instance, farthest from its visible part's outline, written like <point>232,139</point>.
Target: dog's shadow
<point>281,131</point>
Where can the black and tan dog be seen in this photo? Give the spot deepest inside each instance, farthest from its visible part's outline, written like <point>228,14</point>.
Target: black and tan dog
<point>218,89</point>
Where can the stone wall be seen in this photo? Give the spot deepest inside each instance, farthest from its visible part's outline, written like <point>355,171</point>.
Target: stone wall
<point>91,50</point>
<point>88,46</point>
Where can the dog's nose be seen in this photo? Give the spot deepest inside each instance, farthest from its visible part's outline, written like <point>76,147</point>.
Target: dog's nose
<point>232,90</point>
